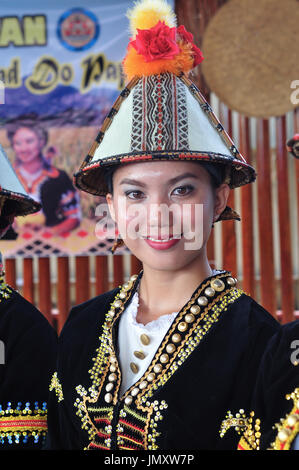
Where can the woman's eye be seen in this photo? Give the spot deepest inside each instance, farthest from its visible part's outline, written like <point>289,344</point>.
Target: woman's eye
<point>133,194</point>
<point>183,190</point>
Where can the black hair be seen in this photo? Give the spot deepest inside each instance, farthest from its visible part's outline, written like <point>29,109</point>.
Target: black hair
<point>216,172</point>
<point>8,209</point>
<point>108,176</point>
<point>32,125</point>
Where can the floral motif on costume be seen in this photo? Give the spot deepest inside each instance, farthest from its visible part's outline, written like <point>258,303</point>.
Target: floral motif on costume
<point>248,427</point>
<point>56,386</point>
<point>288,428</point>
<point>19,425</point>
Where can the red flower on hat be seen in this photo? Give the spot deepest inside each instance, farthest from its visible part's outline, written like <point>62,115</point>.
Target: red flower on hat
<point>156,43</point>
<point>188,37</point>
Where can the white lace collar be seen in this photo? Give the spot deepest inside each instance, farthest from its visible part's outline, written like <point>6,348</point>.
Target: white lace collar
<point>155,325</point>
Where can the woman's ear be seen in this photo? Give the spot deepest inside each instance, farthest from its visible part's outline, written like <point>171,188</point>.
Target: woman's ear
<point>109,199</point>
<point>221,197</point>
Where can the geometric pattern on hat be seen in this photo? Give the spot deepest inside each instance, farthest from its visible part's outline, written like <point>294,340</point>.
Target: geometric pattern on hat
<point>12,189</point>
<point>152,128</point>
<point>161,117</point>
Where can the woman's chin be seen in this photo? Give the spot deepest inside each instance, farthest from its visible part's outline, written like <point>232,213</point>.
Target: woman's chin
<point>166,261</point>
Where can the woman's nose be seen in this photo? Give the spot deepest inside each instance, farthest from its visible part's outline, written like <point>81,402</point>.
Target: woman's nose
<point>160,214</point>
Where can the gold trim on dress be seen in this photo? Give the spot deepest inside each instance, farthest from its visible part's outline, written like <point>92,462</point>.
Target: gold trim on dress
<point>288,428</point>
<point>17,425</point>
<point>56,386</point>
<point>187,331</point>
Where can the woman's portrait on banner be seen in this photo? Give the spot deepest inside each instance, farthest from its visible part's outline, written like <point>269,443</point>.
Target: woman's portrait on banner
<point>42,180</point>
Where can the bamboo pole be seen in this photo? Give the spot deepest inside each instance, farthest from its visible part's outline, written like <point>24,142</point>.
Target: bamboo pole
<point>287,289</point>
<point>44,278</point>
<point>28,287</point>
<point>82,279</point>
<point>248,284</point>
<point>118,270</point>
<point>267,284</point>
<point>11,273</point>
<point>102,281</point>
<point>63,291</point>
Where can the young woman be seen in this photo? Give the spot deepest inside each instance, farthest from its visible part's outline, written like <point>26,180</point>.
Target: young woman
<point>42,181</point>
<point>27,341</point>
<point>157,362</point>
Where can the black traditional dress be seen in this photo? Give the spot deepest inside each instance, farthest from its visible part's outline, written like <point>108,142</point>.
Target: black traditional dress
<point>28,346</point>
<point>206,364</point>
<point>273,422</point>
<point>56,193</point>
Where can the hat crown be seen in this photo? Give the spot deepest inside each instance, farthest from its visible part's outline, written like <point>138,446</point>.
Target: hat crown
<point>163,113</point>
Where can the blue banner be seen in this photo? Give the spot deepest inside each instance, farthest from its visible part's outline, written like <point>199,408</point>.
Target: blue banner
<point>61,71</point>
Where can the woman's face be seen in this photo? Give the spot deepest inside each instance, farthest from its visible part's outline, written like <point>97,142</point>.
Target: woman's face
<point>173,203</point>
<point>27,145</point>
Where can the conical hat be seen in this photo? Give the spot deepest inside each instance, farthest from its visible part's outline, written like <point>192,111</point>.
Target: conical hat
<point>161,114</point>
<point>12,189</point>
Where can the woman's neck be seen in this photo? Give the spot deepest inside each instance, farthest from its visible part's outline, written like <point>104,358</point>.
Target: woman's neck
<point>162,292</point>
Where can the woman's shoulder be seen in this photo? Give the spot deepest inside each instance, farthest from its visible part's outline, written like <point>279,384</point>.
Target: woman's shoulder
<point>254,312</point>
<point>14,308</point>
<point>251,323</point>
<point>285,344</point>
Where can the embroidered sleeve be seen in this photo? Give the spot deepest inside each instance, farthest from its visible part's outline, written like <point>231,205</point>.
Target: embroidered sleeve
<point>19,425</point>
<point>56,386</point>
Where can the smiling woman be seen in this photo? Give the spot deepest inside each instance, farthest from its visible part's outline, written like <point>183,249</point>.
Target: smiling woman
<point>157,362</point>
<point>45,183</point>
<point>27,341</point>
<point>173,224</point>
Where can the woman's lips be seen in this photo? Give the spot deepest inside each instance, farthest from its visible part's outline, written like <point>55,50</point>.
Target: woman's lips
<point>163,244</point>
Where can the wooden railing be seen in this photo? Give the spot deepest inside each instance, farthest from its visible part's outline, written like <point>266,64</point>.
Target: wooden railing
<point>54,300</point>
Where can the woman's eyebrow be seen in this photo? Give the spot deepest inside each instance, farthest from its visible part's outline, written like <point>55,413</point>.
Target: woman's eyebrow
<point>171,181</point>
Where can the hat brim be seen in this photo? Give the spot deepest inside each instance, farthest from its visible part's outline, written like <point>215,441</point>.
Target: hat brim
<point>24,205</point>
<point>91,178</point>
